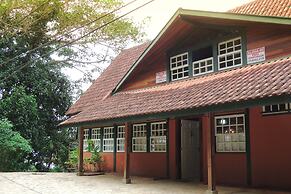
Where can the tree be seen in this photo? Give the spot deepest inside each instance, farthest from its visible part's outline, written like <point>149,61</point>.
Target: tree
<point>36,77</point>
<point>28,24</point>
<point>13,148</point>
<point>21,109</point>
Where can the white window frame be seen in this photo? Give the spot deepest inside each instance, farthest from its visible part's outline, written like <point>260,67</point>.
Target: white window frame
<point>96,137</point>
<point>199,62</point>
<point>287,109</point>
<point>183,66</point>
<point>120,140</point>
<point>156,136</point>
<point>108,139</point>
<point>230,139</point>
<point>230,53</point>
<point>139,134</point>
<point>85,139</point>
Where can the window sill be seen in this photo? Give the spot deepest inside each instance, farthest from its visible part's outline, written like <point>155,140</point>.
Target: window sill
<point>231,152</point>
<point>275,113</point>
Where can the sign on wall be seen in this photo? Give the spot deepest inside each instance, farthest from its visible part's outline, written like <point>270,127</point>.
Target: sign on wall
<point>161,77</point>
<point>256,55</point>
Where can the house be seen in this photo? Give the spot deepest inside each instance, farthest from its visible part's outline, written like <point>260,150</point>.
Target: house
<point>208,100</point>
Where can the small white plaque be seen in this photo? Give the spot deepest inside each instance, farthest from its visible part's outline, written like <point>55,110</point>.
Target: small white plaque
<point>256,55</point>
<point>161,77</point>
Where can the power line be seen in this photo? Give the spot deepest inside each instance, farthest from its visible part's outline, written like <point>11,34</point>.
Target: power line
<point>73,41</point>
<point>71,31</point>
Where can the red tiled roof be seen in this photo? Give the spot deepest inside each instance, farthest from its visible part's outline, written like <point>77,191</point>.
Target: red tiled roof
<point>278,8</point>
<point>245,83</point>
<point>104,84</point>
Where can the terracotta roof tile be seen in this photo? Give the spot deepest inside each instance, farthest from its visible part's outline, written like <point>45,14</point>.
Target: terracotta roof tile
<point>278,8</point>
<point>245,83</point>
<point>104,84</point>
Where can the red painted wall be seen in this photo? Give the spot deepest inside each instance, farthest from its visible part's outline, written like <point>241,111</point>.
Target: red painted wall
<point>270,149</point>
<point>173,149</point>
<point>148,164</point>
<point>119,162</point>
<point>230,167</point>
<point>108,161</point>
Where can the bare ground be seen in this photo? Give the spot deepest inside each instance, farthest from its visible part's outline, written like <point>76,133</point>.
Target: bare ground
<point>63,183</point>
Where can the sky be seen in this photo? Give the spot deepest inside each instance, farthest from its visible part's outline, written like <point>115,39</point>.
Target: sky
<point>159,12</point>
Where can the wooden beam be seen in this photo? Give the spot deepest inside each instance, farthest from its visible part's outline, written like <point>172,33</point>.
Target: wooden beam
<point>248,147</point>
<point>115,147</point>
<point>127,146</point>
<point>178,149</point>
<point>210,156</point>
<point>80,151</point>
<point>167,149</point>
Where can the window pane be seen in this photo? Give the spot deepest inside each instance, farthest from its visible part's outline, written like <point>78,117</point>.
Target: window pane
<point>158,139</point>
<point>230,133</point>
<point>139,142</point>
<point>179,66</point>
<point>229,55</point>
<point>202,66</point>
<point>276,108</point>
<point>108,141</point>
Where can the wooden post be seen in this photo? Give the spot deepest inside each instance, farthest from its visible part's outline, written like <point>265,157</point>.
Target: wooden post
<point>80,154</point>
<point>210,156</point>
<point>115,147</point>
<point>127,144</point>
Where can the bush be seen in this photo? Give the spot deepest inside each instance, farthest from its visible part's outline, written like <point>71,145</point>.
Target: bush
<point>72,163</point>
<point>14,149</point>
<point>96,159</point>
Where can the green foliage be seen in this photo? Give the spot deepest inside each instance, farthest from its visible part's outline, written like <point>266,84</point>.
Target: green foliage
<point>73,159</point>
<point>36,97</point>
<point>96,158</point>
<point>13,148</point>
<point>21,110</point>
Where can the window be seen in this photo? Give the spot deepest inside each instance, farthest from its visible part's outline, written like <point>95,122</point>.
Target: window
<point>96,138</point>
<point>203,66</point>
<point>158,137</point>
<point>230,133</point>
<point>229,53</point>
<point>86,138</point>
<point>179,66</point>
<point>276,108</point>
<point>139,138</point>
<point>108,139</point>
<point>120,138</point>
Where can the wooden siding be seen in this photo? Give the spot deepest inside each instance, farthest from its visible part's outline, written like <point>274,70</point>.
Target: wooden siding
<point>275,38</point>
<point>145,77</point>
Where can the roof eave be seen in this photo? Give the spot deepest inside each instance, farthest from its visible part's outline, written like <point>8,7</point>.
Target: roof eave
<point>234,105</point>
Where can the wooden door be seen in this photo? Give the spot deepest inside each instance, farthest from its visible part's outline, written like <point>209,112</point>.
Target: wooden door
<point>190,150</point>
